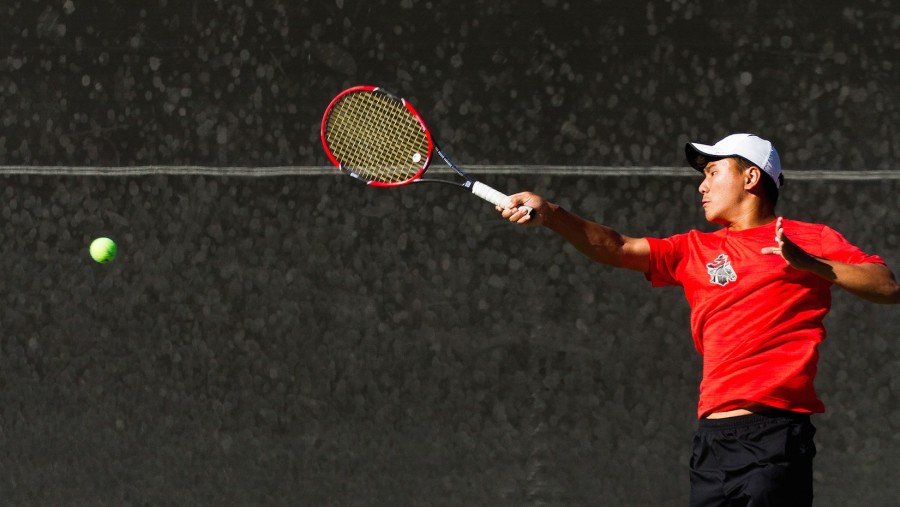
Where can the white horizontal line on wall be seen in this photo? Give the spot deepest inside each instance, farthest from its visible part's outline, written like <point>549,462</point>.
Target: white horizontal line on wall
<point>524,170</point>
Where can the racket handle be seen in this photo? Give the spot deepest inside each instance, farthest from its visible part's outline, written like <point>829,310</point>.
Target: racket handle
<point>493,196</point>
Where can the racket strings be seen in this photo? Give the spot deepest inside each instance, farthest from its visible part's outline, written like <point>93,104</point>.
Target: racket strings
<point>376,137</point>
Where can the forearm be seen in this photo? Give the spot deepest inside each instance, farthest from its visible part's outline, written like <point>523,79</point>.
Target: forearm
<point>598,242</point>
<point>870,281</point>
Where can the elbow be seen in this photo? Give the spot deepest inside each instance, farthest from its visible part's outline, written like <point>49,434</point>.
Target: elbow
<point>893,295</point>
<point>889,295</point>
<point>891,292</point>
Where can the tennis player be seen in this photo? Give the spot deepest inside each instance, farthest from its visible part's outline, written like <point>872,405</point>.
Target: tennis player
<point>758,289</point>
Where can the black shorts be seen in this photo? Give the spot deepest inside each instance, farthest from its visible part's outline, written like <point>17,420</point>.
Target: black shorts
<point>762,459</point>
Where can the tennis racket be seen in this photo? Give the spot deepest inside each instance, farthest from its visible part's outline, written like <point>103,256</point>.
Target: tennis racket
<point>377,137</point>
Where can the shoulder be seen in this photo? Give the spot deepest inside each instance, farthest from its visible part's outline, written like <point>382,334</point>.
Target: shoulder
<point>794,227</point>
<point>697,235</point>
<point>803,226</point>
<point>797,229</point>
<point>823,241</point>
<point>684,241</point>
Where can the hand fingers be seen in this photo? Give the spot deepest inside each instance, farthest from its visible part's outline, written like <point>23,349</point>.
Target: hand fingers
<point>521,208</point>
<point>519,215</point>
<point>518,199</point>
<point>779,240</point>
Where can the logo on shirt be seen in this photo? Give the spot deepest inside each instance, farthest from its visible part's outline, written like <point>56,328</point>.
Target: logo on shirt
<point>720,271</point>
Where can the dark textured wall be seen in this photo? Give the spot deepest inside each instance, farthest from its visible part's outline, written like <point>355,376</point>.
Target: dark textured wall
<point>304,340</point>
<point>245,82</point>
<point>308,340</point>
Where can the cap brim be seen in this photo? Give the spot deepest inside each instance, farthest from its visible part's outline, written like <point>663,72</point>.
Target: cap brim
<point>698,155</point>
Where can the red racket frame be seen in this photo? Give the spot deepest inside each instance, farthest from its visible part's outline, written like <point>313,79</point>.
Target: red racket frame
<point>407,105</point>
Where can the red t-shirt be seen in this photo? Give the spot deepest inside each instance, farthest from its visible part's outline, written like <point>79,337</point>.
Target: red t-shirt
<point>756,321</point>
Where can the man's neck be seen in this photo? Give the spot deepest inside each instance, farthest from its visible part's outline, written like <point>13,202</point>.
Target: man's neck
<point>750,216</point>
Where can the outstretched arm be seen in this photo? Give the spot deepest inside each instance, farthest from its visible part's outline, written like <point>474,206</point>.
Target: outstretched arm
<point>870,281</point>
<point>594,240</point>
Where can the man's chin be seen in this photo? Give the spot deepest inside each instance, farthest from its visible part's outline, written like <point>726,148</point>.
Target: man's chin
<point>713,218</point>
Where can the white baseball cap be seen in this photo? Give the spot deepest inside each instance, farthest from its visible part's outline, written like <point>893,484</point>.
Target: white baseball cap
<point>753,148</point>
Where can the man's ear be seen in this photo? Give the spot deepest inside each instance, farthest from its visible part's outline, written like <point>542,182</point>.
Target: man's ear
<point>752,177</point>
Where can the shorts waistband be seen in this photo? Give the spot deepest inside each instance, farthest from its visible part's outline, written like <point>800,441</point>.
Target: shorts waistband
<point>751,419</point>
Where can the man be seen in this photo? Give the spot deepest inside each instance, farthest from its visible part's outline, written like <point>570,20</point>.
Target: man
<point>758,289</point>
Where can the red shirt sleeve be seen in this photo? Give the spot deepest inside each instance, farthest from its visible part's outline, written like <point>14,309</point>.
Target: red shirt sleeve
<point>665,255</point>
<point>835,247</point>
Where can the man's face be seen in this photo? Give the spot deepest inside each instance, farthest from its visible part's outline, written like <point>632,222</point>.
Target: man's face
<point>722,190</point>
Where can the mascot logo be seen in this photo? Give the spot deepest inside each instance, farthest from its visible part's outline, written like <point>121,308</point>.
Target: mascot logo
<point>720,271</point>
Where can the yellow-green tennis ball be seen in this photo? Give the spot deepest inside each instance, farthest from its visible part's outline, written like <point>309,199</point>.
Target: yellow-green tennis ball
<point>103,250</point>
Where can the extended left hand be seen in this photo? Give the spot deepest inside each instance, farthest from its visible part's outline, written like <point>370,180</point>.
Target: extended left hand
<point>795,256</point>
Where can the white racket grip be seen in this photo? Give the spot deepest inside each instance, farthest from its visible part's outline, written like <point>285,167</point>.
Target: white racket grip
<point>493,196</point>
